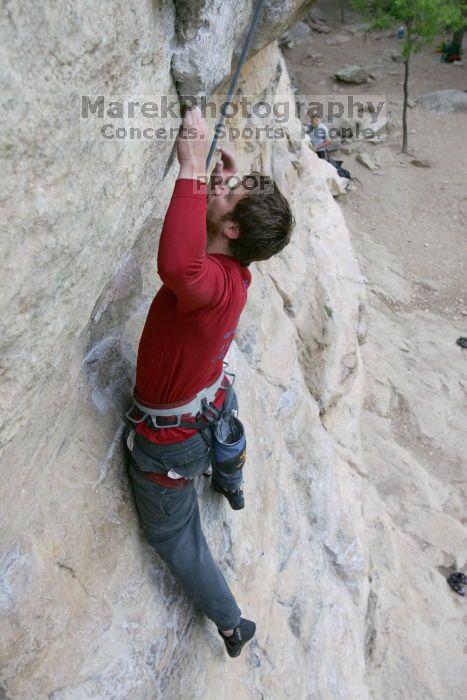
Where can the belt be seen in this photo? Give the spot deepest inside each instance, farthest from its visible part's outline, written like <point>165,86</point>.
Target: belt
<point>169,482</point>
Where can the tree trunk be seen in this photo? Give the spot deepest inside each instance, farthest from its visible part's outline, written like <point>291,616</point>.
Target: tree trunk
<point>458,36</point>
<point>342,12</point>
<point>404,108</point>
<point>457,39</point>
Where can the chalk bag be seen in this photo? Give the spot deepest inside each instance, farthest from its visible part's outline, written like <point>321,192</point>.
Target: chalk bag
<point>229,444</point>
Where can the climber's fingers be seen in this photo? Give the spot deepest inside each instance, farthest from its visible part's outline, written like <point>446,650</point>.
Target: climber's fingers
<point>229,161</point>
<point>219,166</point>
<point>195,122</point>
<point>188,118</point>
<point>192,141</point>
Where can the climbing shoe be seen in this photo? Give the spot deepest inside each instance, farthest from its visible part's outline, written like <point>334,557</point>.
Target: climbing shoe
<point>457,581</point>
<point>242,634</point>
<point>235,498</point>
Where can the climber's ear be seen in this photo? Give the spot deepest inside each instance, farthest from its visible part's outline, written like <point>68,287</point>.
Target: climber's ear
<point>230,229</point>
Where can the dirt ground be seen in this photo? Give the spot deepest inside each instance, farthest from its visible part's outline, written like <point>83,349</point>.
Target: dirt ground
<point>419,214</point>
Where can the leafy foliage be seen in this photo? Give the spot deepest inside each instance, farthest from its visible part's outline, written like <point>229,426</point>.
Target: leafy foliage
<point>423,19</point>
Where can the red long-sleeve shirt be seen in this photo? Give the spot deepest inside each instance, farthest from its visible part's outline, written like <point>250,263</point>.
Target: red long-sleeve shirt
<point>192,319</point>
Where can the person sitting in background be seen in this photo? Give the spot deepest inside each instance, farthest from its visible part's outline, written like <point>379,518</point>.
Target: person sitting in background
<point>318,135</point>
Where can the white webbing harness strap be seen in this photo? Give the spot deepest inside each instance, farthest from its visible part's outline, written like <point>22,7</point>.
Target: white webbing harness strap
<point>190,408</point>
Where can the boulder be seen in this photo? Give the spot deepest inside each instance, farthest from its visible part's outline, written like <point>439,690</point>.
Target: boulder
<point>352,74</point>
<point>319,28</point>
<point>338,39</point>
<point>444,101</point>
<point>366,160</point>
<point>298,34</point>
<point>421,163</point>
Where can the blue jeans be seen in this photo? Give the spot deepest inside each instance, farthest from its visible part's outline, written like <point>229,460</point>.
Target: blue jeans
<point>171,522</point>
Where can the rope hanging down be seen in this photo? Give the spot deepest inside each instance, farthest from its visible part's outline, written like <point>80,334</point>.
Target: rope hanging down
<point>233,83</point>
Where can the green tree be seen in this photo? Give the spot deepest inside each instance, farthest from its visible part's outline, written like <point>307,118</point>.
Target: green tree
<point>422,19</point>
<point>460,25</point>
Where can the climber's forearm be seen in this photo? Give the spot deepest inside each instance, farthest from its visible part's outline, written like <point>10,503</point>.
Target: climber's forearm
<point>323,145</point>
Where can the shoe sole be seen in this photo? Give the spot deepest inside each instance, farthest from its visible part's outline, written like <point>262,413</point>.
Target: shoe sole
<point>238,650</point>
<point>220,490</point>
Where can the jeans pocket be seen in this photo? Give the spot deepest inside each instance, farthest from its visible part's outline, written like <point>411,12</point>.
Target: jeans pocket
<point>177,501</point>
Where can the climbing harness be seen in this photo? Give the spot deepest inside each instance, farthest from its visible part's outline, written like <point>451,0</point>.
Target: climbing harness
<point>220,428</point>
<point>200,407</point>
<point>174,410</point>
<point>233,83</point>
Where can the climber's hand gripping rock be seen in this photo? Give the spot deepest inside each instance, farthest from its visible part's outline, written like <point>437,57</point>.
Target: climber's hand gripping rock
<point>192,145</point>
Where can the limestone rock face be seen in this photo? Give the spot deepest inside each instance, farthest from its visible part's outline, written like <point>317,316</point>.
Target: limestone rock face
<point>414,505</point>
<point>87,609</point>
<point>211,34</point>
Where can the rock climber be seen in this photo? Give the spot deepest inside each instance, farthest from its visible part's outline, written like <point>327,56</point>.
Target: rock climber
<point>318,135</point>
<point>182,393</point>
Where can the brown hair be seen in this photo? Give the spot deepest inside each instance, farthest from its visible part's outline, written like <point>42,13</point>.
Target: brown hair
<point>264,220</point>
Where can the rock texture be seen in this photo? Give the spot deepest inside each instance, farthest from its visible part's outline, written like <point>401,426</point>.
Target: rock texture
<point>413,423</point>
<point>87,609</point>
<point>211,34</point>
<point>414,444</point>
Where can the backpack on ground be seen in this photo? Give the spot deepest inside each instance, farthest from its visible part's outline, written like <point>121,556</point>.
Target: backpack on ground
<point>341,171</point>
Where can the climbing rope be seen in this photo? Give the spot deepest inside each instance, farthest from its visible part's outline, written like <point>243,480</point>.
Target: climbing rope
<point>233,83</point>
